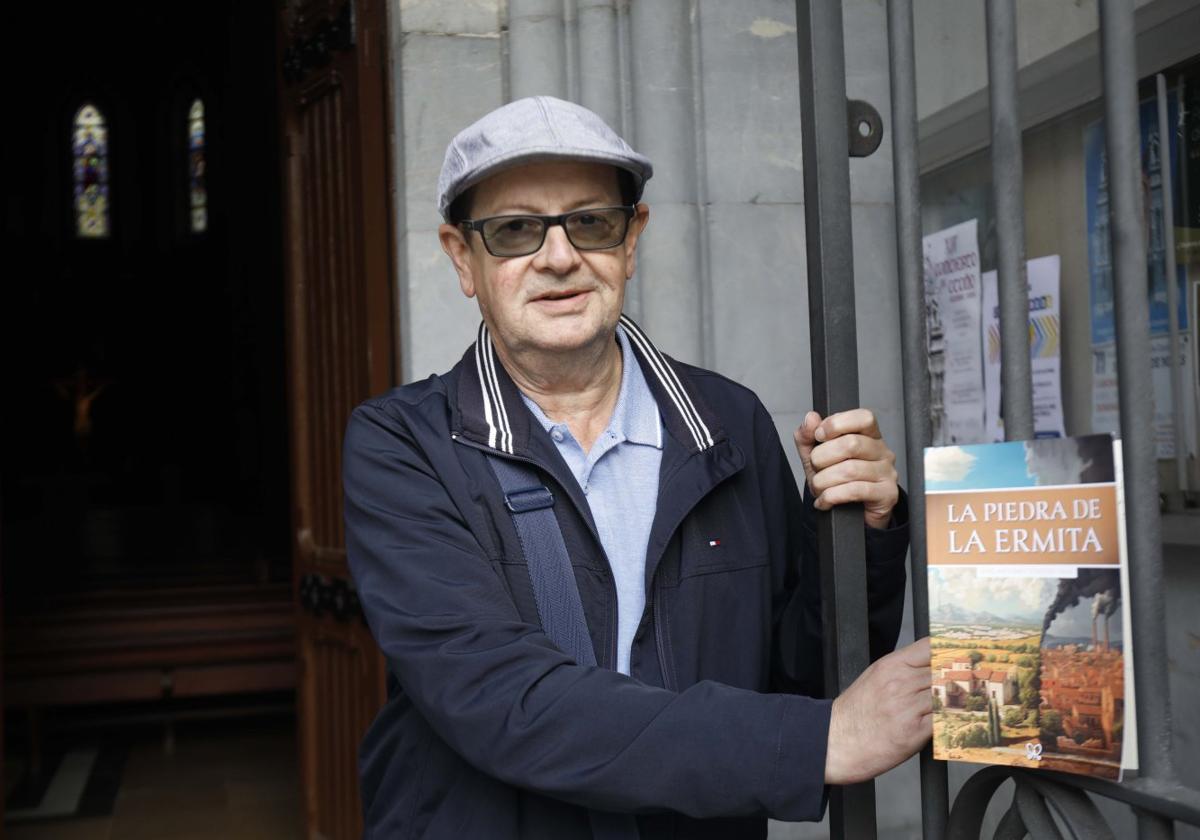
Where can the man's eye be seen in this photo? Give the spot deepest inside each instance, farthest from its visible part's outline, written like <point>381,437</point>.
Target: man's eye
<point>519,225</point>
<point>588,219</point>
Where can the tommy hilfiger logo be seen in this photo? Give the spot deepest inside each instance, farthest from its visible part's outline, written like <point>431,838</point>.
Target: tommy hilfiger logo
<point>713,543</point>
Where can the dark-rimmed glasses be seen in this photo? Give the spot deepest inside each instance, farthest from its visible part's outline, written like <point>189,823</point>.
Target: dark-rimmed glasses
<point>591,229</point>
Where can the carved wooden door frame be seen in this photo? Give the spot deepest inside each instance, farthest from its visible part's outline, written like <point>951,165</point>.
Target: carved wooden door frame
<point>341,350</point>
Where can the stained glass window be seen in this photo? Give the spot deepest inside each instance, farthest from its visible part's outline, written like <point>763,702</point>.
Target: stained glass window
<point>90,149</point>
<point>198,194</point>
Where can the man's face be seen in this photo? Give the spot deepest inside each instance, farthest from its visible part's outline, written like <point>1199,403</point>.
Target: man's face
<point>558,298</point>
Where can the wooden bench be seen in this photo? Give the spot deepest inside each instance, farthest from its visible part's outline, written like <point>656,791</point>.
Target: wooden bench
<point>150,644</point>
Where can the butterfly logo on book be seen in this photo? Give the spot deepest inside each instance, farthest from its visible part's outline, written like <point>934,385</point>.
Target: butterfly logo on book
<point>1033,751</point>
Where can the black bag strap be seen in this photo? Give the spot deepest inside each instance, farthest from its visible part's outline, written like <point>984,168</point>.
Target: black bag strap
<point>558,604</point>
<point>532,507</point>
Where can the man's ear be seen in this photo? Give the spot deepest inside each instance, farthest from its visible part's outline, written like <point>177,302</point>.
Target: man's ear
<point>454,243</point>
<point>641,218</point>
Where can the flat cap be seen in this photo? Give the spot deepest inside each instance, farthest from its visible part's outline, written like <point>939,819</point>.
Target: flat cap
<point>533,130</point>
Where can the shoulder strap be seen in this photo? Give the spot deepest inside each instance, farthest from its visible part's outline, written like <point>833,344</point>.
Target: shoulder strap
<point>558,604</point>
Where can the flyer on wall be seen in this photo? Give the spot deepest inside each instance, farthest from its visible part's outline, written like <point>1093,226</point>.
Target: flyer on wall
<point>952,315</point>
<point>1029,624</point>
<point>1045,342</point>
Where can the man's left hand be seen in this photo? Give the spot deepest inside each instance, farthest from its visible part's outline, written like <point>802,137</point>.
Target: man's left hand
<point>846,460</point>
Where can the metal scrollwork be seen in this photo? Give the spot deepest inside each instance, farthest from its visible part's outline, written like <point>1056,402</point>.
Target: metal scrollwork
<point>1052,805</point>
<point>336,597</point>
<point>1037,801</point>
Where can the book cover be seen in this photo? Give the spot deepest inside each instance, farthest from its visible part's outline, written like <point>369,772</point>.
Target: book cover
<point>1029,631</point>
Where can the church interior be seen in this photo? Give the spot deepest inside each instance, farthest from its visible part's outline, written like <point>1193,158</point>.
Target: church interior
<point>149,622</point>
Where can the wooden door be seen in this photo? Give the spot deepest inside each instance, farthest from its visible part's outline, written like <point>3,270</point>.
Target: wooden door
<point>340,351</point>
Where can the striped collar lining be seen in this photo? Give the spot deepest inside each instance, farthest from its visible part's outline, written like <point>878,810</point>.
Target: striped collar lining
<point>669,380</point>
<point>499,427</point>
<point>495,413</point>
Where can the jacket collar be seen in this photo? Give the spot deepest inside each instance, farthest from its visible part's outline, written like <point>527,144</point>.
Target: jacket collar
<point>490,410</point>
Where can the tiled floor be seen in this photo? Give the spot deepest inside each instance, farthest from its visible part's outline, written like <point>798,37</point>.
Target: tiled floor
<point>233,780</point>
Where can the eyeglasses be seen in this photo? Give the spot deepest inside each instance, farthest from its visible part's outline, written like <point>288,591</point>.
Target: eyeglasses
<point>593,229</point>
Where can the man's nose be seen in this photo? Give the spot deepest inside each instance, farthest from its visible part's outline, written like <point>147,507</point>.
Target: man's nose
<point>557,254</point>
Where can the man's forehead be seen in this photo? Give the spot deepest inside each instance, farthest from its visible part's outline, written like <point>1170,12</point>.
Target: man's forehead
<point>539,187</point>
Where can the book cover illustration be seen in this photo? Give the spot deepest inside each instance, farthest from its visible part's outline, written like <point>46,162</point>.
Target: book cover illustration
<point>1028,626</point>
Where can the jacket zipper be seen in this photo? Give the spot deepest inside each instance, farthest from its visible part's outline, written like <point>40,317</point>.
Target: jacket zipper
<point>658,620</point>
<point>612,585</point>
<point>658,623</point>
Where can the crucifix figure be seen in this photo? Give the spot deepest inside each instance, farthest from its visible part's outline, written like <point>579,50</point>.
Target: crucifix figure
<point>81,390</point>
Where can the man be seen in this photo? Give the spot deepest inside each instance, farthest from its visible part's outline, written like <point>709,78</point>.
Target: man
<point>691,549</point>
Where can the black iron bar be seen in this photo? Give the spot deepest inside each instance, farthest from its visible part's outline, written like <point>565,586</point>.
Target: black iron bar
<point>1170,799</point>
<point>840,536</point>
<point>935,798</point>
<point>1008,192</point>
<point>1143,524</point>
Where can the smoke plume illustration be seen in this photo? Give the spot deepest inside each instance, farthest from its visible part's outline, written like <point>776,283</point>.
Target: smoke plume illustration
<point>1102,585</point>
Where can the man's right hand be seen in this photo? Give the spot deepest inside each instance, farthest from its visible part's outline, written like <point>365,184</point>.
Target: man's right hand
<point>885,716</point>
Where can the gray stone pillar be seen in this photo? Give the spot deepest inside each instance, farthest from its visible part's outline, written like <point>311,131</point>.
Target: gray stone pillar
<point>446,73</point>
<point>537,51</point>
<point>598,60</point>
<point>671,288</point>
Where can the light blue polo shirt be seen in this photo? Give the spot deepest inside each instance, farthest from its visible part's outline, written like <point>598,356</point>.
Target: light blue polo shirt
<point>620,479</point>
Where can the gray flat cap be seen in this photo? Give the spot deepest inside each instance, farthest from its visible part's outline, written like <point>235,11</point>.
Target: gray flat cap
<point>531,130</point>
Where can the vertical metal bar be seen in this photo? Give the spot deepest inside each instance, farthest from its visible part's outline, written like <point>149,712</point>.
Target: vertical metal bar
<point>840,535</point>
<point>1144,528</point>
<point>935,797</point>
<point>1172,271</point>
<point>1008,192</point>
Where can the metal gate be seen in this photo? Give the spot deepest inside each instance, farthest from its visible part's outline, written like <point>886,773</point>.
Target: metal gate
<point>1046,804</point>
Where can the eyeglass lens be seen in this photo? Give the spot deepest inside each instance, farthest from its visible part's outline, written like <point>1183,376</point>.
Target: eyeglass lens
<point>586,229</point>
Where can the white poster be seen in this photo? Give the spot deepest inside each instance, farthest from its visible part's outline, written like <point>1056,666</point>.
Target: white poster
<point>1106,406</point>
<point>1044,350</point>
<point>952,309</point>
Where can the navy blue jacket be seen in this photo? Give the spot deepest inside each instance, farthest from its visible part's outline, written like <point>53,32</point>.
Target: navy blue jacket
<point>490,731</point>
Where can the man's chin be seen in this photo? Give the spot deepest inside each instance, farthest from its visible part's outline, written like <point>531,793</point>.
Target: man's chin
<point>565,335</point>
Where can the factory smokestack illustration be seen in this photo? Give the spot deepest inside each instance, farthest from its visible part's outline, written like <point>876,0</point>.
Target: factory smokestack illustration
<point>1104,604</point>
<point>1101,584</point>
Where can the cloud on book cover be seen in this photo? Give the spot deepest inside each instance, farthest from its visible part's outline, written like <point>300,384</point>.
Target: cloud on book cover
<point>948,463</point>
<point>960,594</point>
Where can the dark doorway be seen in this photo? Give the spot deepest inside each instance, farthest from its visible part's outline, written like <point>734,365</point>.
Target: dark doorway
<point>144,434</point>
<point>144,543</point>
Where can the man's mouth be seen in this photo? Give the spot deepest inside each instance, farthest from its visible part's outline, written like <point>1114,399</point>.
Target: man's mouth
<point>562,294</point>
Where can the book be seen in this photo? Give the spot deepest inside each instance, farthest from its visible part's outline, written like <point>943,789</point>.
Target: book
<point>1029,624</point>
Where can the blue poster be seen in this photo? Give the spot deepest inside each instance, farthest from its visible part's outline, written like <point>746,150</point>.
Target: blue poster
<point>1099,246</point>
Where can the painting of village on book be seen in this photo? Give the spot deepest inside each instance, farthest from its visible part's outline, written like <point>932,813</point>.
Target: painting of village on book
<point>1029,628</point>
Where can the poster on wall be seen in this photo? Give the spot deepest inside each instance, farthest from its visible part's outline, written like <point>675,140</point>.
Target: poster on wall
<point>1099,246</point>
<point>952,310</point>
<point>1045,358</point>
<point>1106,416</point>
<point>1029,624</point>
<point>1187,232</point>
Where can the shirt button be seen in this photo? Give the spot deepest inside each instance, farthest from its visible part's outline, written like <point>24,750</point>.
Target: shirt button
<point>557,435</point>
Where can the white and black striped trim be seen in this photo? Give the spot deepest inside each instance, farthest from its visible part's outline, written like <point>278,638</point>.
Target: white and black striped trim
<point>670,383</point>
<point>494,411</point>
